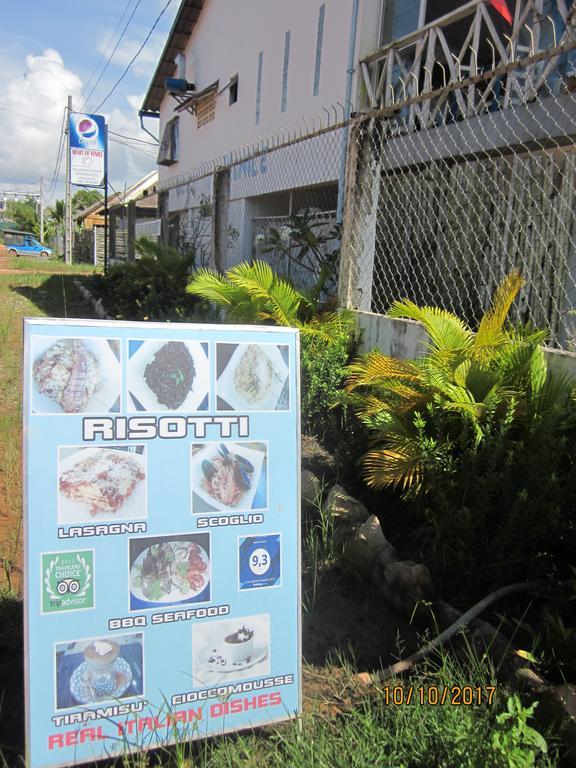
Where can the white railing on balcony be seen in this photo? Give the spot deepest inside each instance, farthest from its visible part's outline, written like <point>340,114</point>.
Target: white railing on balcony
<point>473,44</point>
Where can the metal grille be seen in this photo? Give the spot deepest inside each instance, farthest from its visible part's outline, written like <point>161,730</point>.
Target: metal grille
<point>450,189</point>
<point>275,200</point>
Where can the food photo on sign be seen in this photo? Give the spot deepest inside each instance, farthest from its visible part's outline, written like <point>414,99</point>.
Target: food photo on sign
<point>169,570</point>
<point>229,476</point>
<point>234,649</point>
<point>72,375</point>
<point>168,376</point>
<point>101,483</point>
<point>98,669</point>
<point>252,377</point>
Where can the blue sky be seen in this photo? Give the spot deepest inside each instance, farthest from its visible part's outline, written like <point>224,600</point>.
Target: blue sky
<point>54,47</point>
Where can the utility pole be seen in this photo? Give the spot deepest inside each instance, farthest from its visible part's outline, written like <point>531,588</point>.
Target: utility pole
<point>68,197</point>
<point>41,212</point>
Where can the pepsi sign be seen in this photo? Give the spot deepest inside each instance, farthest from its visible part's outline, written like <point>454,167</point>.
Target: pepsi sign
<point>87,149</point>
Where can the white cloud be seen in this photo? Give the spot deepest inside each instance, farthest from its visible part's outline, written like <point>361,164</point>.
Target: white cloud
<point>147,60</point>
<point>28,149</point>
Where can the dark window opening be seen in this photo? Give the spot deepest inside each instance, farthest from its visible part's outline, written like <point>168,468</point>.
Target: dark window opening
<point>233,91</point>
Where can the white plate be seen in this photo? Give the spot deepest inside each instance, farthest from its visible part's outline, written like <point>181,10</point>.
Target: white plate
<point>81,682</point>
<point>259,653</point>
<point>244,503</point>
<point>226,388</point>
<point>174,596</point>
<point>103,400</point>
<point>133,508</point>
<point>137,383</point>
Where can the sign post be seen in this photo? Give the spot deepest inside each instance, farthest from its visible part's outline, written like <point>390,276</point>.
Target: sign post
<point>162,534</point>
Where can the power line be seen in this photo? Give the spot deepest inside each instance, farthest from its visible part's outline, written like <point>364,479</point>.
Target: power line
<point>133,59</point>
<point>54,125</point>
<point>133,138</point>
<point>105,51</point>
<point>59,155</point>
<point>112,54</point>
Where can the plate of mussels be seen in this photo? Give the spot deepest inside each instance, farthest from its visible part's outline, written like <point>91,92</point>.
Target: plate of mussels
<point>226,475</point>
<point>169,376</point>
<point>170,572</point>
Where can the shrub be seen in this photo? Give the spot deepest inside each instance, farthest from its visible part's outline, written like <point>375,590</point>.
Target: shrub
<point>151,288</point>
<point>479,432</point>
<point>253,293</point>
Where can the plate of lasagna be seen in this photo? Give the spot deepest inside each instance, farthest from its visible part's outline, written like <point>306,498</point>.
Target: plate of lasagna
<point>254,378</point>
<point>101,484</point>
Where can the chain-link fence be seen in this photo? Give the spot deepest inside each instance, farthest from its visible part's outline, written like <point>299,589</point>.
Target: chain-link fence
<point>275,200</point>
<point>450,189</point>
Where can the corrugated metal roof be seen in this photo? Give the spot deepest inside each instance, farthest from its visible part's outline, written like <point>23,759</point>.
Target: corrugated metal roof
<point>177,39</point>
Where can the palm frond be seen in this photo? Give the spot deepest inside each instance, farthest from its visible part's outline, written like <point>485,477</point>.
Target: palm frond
<point>490,330</point>
<point>376,368</point>
<point>212,286</point>
<point>446,331</point>
<point>400,466</point>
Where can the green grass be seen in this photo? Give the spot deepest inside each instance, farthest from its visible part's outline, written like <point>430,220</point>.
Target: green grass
<point>50,265</point>
<point>345,726</point>
<point>26,295</point>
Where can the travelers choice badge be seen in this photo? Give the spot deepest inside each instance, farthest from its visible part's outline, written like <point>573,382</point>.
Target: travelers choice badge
<point>67,581</point>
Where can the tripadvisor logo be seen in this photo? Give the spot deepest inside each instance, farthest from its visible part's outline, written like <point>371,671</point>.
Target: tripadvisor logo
<point>67,581</point>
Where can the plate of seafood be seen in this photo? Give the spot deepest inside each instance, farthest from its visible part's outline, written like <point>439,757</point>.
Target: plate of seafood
<point>170,572</point>
<point>169,376</point>
<point>75,375</point>
<point>254,378</point>
<point>101,484</point>
<point>226,475</point>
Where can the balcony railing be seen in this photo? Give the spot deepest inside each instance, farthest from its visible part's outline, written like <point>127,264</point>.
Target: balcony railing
<point>471,61</point>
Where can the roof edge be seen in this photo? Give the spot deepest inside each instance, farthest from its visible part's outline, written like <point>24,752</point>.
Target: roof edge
<point>152,100</point>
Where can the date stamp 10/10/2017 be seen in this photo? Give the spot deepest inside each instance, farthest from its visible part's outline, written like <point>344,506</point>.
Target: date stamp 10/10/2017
<point>439,695</point>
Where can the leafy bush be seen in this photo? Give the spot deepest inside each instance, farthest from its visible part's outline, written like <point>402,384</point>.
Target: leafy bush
<point>479,433</point>
<point>253,293</point>
<point>151,288</point>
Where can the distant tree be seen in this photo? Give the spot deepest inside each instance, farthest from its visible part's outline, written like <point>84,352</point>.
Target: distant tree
<point>84,198</point>
<point>25,214</point>
<point>54,219</point>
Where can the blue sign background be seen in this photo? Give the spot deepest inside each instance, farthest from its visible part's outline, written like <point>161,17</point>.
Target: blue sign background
<point>91,139</point>
<point>186,675</point>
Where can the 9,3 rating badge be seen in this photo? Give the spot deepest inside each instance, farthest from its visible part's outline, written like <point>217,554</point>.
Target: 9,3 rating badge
<point>259,561</point>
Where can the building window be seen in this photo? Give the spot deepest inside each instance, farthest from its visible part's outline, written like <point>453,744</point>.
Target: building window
<point>206,109</point>
<point>233,90</point>
<point>168,152</point>
<point>259,86</point>
<point>401,17</point>
<point>285,71</point>
<point>319,39</point>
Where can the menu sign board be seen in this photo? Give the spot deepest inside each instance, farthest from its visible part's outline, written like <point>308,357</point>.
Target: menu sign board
<point>162,534</point>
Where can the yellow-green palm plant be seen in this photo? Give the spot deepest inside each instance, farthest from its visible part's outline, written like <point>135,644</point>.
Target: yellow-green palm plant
<point>424,412</point>
<point>253,293</point>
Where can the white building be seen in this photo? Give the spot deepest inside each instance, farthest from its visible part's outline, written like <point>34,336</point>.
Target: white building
<point>261,70</point>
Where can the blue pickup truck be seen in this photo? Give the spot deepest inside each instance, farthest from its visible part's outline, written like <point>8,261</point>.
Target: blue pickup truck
<point>24,244</point>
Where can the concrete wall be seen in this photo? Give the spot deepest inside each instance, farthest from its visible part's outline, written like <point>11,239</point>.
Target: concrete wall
<point>406,339</point>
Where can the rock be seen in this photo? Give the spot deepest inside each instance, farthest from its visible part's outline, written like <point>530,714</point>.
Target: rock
<point>317,459</point>
<point>364,679</point>
<point>557,706</point>
<point>367,544</point>
<point>405,583</point>
<point>529,680</point>
<point>345,509</point>
<point>310,490</point>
